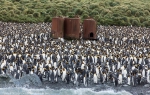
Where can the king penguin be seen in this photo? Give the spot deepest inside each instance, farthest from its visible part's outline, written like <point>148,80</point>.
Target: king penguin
<point>64,73</point>
<point>148,76</point>
<point>68,77</point>
<point>85,80</point>
<point>133,79</point>
<point>129,80</point>
<point>139,78</point>
<point>120,79</point>
<point>95,78</point>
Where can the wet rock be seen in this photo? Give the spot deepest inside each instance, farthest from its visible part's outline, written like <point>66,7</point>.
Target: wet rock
<point>30,79</point>
<point>148,92</point>
<point>146,85</point>
<point>4,78</point>
<point>141,93</point>
<point>125,85</point>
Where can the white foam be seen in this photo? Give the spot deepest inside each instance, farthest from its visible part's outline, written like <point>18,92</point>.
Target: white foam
<point>48,91</point>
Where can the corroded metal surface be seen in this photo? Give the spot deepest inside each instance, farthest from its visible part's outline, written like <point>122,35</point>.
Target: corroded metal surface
<point>72,28</point>
<point>89,29</point>
<point>57,27</point>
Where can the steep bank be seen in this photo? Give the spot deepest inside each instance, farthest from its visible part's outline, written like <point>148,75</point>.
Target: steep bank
<point>105,12</point>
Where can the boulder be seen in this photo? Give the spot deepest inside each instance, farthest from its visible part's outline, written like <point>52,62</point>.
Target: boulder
<point>146,85</point>
<point>4,78</point>
<point>30,79</point>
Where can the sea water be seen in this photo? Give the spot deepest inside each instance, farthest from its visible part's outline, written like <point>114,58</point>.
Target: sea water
<point>49,91</point>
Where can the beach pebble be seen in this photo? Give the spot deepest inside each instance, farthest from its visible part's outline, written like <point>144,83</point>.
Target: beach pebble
<point>125,85</point>
<point>148,93</point>
<point>146,85</point>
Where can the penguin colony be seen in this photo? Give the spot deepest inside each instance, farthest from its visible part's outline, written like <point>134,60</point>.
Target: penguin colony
<point>119,56</point>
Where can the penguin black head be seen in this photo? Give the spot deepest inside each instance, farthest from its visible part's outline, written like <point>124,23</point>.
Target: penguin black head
<point>68,73</point>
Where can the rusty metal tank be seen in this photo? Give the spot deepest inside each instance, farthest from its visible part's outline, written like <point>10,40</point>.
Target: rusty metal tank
<point>89,29</point>
<point>57,29</point>
<point>72,28</point>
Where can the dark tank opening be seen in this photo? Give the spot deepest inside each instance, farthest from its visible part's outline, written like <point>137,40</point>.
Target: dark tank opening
<point>91,34</point>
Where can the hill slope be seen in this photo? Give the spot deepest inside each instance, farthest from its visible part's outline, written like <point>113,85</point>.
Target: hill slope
<point>106,12</point>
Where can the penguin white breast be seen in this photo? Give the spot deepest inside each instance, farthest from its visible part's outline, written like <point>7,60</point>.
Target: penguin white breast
<point>118,65</point>
<point>84,81</point>
<point>143,73</point>
<point>58,70</point>
<point>38,56</point>
<point>3,64</point>
<point>125,73</point>
<point>55,65</point>
<point>43,56</point>
<point>95,78</point>
<point>95,59</point>
<point>54,72</point>
<point>76,76</point>
<point>120,79</point>
<point>148,77</point>
<point>58,57</point>
<point>3,48</point>
<point>113,67</point>
<point>0,46</point>
<point>133,67</point>
<point>82,66</point>
<point>97,72</point>
<point>129,81</point>
<point>122,68</point>
<point>63,75</point>
<point>11,68</point>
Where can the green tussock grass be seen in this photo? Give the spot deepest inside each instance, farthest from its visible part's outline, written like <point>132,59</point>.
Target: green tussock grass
<point>105,12</point>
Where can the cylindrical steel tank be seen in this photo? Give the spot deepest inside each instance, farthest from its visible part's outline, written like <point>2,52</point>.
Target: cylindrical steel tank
<point>89,29</point>
<point>72,28</point>
<point>57,27</point>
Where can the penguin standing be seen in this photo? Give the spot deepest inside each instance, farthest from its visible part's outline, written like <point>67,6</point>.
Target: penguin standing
<point>125,73</point>
<point>113,67</point>
<point>82,66</point>
<point>148,76</point>
<point>85,80</point>
<point>58,71</point>
<point>55,75</point>
<point>11,68</point>
<point>17,75</point>
<point>118,65</point>
<point>95,78</point>
<point>139,78</point>
<point>120,79</point>
<point>52,77</point>
<point>55,65</point>
<point>64,73</point>
<point>143,73</point>
<point>40,76</point>
<point>3,71</point>
<point>133,79</point>
<point>129,80</point>
<point>49,74</point>
<point>115,81</point>
<point>32,71</point>
<point>76,78</point>
<point>97,71</point>
<point>68,78</point>
<point>104,77</point>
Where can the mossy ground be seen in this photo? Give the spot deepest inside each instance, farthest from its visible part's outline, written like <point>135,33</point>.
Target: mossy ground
<point>105,12</point>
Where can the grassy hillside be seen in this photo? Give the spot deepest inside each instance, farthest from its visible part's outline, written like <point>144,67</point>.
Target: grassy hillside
<point>106,12</point>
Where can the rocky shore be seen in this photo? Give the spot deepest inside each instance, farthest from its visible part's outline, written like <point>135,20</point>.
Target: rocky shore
<point>33,81</point>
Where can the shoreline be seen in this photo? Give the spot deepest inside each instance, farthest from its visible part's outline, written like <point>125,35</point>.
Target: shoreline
<point>138,90</point>
<point>134,90</point>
